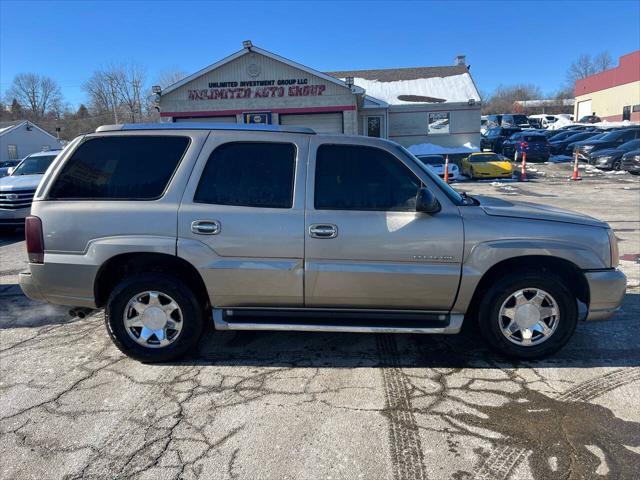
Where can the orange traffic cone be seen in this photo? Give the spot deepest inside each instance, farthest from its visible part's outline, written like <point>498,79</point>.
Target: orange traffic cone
<point>446,169</point>
<point>523,171</point>
<point>576,175</point>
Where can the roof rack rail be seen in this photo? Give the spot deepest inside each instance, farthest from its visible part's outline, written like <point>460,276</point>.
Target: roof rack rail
<point>204,126</point>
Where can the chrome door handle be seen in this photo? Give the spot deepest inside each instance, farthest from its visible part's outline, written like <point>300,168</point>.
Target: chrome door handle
<point>323,230</point>
<point>205,227</point>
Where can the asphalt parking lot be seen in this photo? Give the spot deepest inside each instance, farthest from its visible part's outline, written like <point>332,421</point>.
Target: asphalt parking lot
<point>329,406</point>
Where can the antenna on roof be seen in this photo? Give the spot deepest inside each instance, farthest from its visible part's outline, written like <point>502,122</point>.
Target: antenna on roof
<point>247,44</point>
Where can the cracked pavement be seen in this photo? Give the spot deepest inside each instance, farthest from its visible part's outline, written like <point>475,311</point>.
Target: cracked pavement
<point>270,405</point>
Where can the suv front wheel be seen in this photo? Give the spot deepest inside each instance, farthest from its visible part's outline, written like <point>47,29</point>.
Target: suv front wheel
<point>528,315</point>
<point>153,317</point>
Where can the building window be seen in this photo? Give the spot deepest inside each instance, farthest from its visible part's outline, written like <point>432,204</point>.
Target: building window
<point>626,113</point>
<point>438,123</point>
<point>374,126</point>
<point>13,152</point>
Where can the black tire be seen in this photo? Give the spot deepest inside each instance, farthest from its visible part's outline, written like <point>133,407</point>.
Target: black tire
<point>617,165</point>
<point>489,309</point>
<point>192,313</point>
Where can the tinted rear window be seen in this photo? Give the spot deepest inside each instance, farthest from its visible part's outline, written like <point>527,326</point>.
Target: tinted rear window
<point>535,138</point>
<point>119,168</point>
<point>249,174</point>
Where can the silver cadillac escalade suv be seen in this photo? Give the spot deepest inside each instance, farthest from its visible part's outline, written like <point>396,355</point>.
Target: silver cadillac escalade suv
<point>276,228</point>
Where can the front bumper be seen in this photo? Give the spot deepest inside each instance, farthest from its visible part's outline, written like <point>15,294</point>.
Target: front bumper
<point>13,218</point>
<point>606,289</point>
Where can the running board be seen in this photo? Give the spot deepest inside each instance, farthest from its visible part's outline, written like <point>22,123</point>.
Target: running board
<point>330,320</point>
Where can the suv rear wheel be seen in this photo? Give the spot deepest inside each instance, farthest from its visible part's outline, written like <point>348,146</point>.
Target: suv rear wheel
<point>153,317</point>
<point>528,315</point>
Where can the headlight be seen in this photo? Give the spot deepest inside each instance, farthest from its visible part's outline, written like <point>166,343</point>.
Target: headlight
<point>613,244</point>
<point>606,158</point>
<point>586,148</point>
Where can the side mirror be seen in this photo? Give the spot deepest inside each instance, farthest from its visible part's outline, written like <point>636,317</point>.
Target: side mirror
<point>426,201</point>
<point>10,170</point>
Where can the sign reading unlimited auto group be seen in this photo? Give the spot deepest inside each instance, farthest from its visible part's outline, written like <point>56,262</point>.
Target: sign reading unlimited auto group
<point>287,87</point>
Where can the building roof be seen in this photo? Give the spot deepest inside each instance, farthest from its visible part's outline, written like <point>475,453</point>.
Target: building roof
<point>5,127</point>
<point>409,86</point>
<point>259,51</point>
<point>395,74</point>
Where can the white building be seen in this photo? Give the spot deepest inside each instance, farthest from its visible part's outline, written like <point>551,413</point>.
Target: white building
<point>438,105</point>
<point>22,137</point>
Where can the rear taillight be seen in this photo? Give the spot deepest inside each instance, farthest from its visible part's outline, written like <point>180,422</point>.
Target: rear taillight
<point>35,240</point>
<point>524,144</point>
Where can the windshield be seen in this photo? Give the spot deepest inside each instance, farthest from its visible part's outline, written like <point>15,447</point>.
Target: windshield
<point>632,145</point>
<point>611,136</point>
<point>431,159</point>
<point>34,165</point>
<point>485,157</point>
<point>448,191</point>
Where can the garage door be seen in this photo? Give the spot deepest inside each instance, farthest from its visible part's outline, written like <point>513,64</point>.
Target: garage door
<point>229,119</point>
<point>320,122</point>
<point>584,109</point>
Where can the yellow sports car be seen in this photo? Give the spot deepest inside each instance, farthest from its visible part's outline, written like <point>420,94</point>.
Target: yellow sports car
<point>486,165</point>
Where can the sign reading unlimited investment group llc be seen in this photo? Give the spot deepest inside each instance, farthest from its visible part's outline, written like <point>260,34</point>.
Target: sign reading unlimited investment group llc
<point>288,87</point>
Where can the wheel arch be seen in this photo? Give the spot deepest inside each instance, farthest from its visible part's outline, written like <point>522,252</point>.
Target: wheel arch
<point>569,272</point>
<point>120,266</point>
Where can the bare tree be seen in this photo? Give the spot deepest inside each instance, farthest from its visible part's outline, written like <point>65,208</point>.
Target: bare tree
<point>586,65</point>
<point>38,93</point>
<point>602,62</point>
<point>118,89</point>
<point>504,97</point>
<point>169,77</point>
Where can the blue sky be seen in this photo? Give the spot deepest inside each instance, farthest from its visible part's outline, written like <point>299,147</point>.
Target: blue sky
<point>505,42</point>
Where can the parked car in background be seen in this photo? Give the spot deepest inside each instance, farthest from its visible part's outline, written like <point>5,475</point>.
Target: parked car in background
<point>590,119</point>
<point>436,164</point>
<point>17,190</point>
<point>6,165</point>
<point>611,158</point>
<point>486,165</point>
<point>544,119</point>
<point>161,225</point>
<point>631,162</point>
<point>515,120</point>
<point>534,144</point>
<point>494,138</point>
<point>494,120</point>
<point>484,124</point>
<point>559,147</point>
<point>611,139</point>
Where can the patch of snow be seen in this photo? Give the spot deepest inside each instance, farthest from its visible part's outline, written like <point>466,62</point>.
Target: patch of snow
<point>626,188</point>
<point>561,122</point>
<point>620,172</point>
<point>455,88</point>
<point>433,149</point>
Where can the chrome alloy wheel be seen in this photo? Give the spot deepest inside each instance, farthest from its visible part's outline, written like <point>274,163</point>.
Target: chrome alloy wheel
<point>529,317</point>
<point>153,319</point>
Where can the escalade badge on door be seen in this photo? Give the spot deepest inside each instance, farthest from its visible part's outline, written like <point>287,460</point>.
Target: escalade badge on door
<point>432,257</point>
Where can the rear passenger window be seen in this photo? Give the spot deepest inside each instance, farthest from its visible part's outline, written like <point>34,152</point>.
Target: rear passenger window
<point>350,177</point>
<point>249,174</point>
<point>120,168</point>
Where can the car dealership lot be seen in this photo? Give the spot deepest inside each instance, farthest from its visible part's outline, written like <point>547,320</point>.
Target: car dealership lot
<point>291,405</point>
